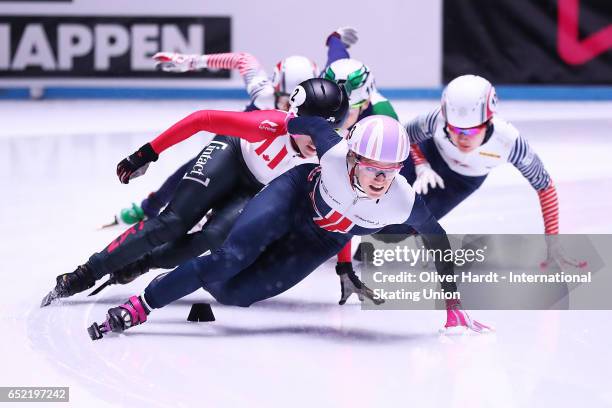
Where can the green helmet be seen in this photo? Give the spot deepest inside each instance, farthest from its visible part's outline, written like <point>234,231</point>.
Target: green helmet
<point>356,78</point>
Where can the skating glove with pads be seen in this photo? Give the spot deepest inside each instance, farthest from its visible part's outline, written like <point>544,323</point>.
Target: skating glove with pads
<point>456,317</point>
<point>350,283</point>
<point>426,178</point>
<point>136,164</point>
<point>555,253</point>
<point>174,62</point>
<point>348,36</point>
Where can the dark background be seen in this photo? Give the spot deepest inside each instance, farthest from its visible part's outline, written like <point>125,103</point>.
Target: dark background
<point>515,41</point>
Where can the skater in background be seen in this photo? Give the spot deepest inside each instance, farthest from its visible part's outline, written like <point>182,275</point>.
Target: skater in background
<point>457,145</point>
<point>264,92</point>
<point>226,174</point>
<point>356,77</point>
<point>365,100</point>
<point>302,218</point>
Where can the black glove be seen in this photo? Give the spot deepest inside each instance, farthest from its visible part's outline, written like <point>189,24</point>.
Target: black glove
<point>364,252</point>
<point>350,283</point>
<point>136,164</point>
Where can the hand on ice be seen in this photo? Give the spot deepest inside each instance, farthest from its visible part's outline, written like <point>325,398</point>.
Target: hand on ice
<point>556,253</point>
<point>426,176</point>
<point>175,62</point>
<point>350,283</point>
<point>456,317</point>
<point>348,36</point>
<point>136,164</point>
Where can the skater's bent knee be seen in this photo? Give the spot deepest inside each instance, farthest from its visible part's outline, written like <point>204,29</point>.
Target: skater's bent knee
<point>169,226</point>
<point>231,298</point>
<point>215,236</point>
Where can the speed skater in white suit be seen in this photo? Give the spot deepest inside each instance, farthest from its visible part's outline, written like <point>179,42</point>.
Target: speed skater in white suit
<point>455,147</point>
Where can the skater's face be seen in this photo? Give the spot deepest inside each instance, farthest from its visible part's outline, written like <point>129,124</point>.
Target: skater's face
<point>282,101</point>
<point>305,144</point>
<point>468,139</point>
<point>375,177</point>
<point>353,114</point>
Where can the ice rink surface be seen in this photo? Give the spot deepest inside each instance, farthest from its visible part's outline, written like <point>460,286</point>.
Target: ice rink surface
<point>301,349</point>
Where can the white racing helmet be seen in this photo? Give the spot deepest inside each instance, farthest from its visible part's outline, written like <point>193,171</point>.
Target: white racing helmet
<point>468,101</point>
<point>290,72</point>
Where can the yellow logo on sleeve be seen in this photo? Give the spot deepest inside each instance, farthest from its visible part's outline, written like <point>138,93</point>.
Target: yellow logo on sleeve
<point>496,156</point>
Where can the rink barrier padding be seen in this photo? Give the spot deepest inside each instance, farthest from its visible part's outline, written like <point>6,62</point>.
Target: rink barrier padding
<point>518,92</point>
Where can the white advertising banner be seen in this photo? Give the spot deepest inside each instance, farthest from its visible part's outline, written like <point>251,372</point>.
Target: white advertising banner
<point>93,43</point>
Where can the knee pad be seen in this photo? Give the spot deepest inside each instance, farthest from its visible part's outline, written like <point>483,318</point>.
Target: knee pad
<point>228,296</point>
<point>213,237</point>
<point>389,238</point>
<point>168,226</point>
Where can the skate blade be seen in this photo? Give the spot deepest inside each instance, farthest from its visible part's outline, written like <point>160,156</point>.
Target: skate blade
<point>50,298</point>
<point>100,288</point>
<point>95,332</point>
<point>109,225</point>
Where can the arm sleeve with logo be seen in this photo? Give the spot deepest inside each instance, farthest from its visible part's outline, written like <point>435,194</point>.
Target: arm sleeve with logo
<point>255,78</point>
<point>531,167</point>
<point>434,237</point>
<point>253,126</point>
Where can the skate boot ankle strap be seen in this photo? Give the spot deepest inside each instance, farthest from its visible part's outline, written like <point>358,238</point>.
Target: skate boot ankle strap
<point>120,318</point>
<point>136,310</point>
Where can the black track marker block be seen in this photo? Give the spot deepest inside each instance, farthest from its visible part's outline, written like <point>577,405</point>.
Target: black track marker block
<point>201,312</point>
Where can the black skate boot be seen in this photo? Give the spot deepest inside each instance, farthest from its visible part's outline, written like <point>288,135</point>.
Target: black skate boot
<point>126,274</point>
<point>120,318</point>
<point>70,284</point>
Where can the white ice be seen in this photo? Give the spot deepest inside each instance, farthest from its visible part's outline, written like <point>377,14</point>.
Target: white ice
<point>57,172</point>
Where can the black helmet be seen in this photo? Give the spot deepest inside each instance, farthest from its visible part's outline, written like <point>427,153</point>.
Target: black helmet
<point>320,97</point>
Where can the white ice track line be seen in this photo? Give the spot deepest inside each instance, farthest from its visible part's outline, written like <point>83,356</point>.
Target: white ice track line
<point>114,379</point>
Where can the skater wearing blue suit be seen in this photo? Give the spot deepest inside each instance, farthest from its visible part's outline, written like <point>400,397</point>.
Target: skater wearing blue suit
<point>304,216</point>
